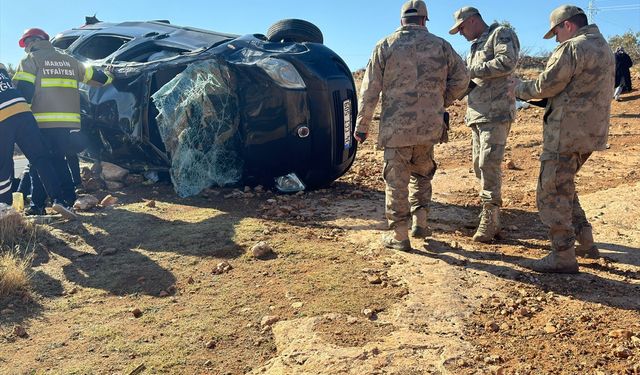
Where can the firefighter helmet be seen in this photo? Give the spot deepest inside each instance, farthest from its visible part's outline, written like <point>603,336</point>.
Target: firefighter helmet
<point>31,33</point>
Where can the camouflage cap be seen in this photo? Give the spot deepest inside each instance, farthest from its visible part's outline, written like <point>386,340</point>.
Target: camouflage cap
<point>414,8</point>
<point>460,16</point>
<point>559,15</point>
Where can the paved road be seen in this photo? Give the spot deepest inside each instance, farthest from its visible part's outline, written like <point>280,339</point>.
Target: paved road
<point>18,164</point>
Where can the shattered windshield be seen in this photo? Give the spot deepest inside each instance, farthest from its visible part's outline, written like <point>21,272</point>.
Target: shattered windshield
<point>198,123</point>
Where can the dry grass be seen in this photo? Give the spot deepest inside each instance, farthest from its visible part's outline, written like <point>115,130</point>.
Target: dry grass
<point>15,234</point>
<point>12,226</point>
<point>14,275</point>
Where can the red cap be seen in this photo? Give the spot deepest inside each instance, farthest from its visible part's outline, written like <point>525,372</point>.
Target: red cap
<point>32,32</point>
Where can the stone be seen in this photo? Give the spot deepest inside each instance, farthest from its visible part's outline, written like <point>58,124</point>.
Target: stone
<point>134,179</point>
<point>550,328</point>
<point>492,359</point>
<point>150,204</point>
<point>85,202</point>
<point>368,313</point>
<point>163,294</point>
<point>211,344</point>
<point>510,164</point>
<point>221,268</point>
<point>268,320</point>
<point>621,333</point>
<point>491,326</point>
<point>297,305</point>
<point>114,185</point>
<point>374,279</point>
<point>19,331</point>
<point>261,250</point>
<point>112,172</point>
<point>622,352</point>
<point>93,184</point>
<point>523,311</point>
<point>136,313</point>
<point>109,200</point>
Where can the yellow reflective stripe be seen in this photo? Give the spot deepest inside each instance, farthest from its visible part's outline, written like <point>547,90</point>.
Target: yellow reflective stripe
<point>57,117</point>
<point>109,78</point>
<point>7,112</point>
<point>24,76</point>
<point>88,74</point>
<point>59,82</point>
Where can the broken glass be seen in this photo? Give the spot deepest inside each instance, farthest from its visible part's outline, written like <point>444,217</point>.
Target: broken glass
<point>198,123</point>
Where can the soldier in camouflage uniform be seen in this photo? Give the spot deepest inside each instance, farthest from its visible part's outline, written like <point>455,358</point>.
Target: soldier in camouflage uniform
<point>490,109</point>
<point>578,83</point>
<point>418,74</point>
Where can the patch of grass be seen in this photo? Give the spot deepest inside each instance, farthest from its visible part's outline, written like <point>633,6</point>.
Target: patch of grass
<point>16,235</point>
<point>14,275</point>
<point>12,225</point>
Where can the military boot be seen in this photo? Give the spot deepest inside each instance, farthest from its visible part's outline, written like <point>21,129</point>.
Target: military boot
<point>586,247</point>
<point>398,239</point>
<point>419,227</point>
<point>489,225</point>
<point>556,262</point>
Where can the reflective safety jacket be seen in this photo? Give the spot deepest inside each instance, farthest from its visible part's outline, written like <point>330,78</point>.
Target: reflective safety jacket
<point>11,101</point>
<point>48,79</point>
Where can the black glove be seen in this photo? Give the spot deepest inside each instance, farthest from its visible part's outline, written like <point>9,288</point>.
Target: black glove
<point>361,136</point>
<point>444,138</point>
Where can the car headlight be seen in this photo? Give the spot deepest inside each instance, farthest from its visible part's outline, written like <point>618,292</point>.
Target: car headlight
<point>283,72</point>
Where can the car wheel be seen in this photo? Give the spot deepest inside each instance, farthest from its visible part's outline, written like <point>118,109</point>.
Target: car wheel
<point>294,30</point>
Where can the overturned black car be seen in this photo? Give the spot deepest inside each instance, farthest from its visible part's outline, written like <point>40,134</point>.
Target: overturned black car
<point>214,108</point>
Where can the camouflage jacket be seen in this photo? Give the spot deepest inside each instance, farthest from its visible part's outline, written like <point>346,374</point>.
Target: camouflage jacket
<point>578,81</point>
<point>491,62</point>
<point>418,74</point>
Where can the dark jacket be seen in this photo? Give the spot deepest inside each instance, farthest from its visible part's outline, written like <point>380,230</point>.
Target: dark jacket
<point>623,75</point>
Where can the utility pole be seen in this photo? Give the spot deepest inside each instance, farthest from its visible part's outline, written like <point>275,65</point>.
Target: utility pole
<point>591,11</point>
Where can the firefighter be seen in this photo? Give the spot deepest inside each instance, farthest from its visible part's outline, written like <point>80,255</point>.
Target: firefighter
<point>17,125</point>
<point>48,79</point>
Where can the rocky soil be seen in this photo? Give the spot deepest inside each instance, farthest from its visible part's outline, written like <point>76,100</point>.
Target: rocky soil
<point>247,281</point>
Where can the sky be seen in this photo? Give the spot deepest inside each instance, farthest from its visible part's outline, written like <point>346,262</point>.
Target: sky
<point>350,27</point>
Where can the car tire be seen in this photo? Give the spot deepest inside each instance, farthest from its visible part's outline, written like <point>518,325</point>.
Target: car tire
<point>294,30</point>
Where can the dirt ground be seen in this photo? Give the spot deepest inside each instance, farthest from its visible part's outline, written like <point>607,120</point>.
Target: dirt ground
<point>140,288</point>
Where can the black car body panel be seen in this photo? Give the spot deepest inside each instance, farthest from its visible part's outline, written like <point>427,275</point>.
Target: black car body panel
<point>120,119</point>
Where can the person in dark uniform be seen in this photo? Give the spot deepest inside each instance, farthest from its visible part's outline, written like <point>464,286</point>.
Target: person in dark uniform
<point>623,75</point>
<point>17,125</point>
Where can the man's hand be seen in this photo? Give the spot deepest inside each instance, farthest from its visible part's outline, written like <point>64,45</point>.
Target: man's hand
<point>513,83</point>
<point>360,137</point>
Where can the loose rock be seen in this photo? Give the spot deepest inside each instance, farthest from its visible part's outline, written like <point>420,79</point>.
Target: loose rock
<point>221,268</point>
<point>109,200</point>
<point>268,320</point>
<point>19,331</point>
<point>262,250</point>
<point>136,313</point>
<point>85,202</point>
<point>368,313</point>
<point>112,172</point>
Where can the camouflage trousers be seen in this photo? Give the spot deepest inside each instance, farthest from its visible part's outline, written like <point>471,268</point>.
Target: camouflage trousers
<point>488,143</point>
<point>408,172</point>
<point>558,203</point>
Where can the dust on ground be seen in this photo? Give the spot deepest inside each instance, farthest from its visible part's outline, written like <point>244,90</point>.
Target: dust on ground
<point>138,285</point>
